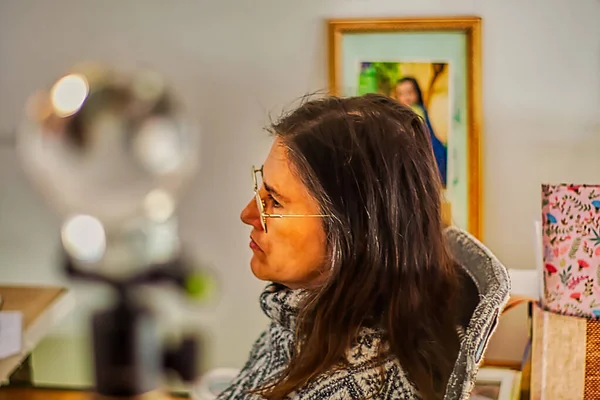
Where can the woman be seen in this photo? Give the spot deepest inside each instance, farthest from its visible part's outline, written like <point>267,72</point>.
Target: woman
<point>409,92</point>
<point>364,299</point>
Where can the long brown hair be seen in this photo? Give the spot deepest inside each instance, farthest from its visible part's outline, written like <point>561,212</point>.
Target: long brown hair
<point>369,162</point>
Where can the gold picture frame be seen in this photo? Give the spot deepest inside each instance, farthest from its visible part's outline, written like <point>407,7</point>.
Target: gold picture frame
<point>371,37</point>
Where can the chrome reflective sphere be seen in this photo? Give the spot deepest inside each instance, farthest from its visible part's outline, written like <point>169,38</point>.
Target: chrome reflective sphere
<point>113,146</point>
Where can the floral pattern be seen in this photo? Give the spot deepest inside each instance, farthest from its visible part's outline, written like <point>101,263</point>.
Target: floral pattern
<point>571,237</point>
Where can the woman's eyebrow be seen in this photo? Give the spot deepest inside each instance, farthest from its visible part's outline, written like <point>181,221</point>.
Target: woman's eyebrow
<point>274,192</point>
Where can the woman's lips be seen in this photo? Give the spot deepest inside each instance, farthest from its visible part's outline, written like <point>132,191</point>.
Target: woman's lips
<point>254,245</point>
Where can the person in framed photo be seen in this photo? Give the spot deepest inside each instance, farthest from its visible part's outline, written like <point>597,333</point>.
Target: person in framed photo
<point>409,92</point>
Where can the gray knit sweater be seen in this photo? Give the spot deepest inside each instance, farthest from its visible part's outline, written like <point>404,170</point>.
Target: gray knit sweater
<point>360,380</point>
<point>271,353</point>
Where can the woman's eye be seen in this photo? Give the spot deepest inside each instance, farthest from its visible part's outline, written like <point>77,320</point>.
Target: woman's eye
<point>274,202</point>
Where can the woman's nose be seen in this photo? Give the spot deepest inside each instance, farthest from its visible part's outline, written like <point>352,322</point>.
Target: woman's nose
<point>250,215</point>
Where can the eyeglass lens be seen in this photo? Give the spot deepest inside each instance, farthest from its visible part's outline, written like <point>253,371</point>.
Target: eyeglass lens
<point>259,202</point>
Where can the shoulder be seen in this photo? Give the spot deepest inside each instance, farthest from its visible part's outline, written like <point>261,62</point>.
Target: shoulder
<point>377,382</point>
<point>268,357</point>
<point>365,375</point>
<point>259,345</point>
<point>273,347</point>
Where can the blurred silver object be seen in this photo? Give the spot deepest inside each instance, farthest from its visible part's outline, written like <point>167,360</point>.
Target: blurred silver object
<point>109,145</point>
<point>112,154</point>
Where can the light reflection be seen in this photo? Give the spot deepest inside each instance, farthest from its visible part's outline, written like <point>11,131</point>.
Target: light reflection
<point>159,205</point>
<point>84,238</point>
<point>69,94</point>
<point>158,145</point>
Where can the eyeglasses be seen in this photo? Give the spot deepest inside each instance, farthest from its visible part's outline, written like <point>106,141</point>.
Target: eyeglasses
<point>261,204</point>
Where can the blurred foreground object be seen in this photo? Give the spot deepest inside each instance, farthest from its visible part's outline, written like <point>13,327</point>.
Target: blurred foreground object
<point>112,154</point>
<point>108,145</point>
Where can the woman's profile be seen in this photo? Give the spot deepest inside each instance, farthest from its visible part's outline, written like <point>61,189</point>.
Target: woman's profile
<point>364,296</point>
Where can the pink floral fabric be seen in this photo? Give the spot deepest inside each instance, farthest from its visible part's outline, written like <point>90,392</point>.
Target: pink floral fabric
<point>571,238</point>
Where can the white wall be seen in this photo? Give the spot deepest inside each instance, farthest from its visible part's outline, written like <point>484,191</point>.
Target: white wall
<point>233,62</point>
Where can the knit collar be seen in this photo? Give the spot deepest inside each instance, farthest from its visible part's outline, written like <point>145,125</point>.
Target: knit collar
<point>281,304</point>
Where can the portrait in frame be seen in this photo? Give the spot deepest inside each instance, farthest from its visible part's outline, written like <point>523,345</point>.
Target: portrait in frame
<point>432,65</point>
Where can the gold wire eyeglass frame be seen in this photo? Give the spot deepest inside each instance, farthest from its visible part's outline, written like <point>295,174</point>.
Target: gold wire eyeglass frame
<point>261,204</point>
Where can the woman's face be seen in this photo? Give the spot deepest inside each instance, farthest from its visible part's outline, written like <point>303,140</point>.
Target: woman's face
<point>293,250</point>
<point>406,93</point>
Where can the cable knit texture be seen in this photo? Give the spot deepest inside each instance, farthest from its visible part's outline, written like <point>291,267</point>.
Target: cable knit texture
<point>272,351</point>
<point>361,378</point>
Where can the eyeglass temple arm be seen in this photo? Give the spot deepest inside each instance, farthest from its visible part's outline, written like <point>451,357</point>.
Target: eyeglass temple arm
<point>294,215</point>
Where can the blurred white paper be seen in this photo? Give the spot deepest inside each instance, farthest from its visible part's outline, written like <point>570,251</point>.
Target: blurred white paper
<point>529,283</point>
<point>11,327</point>
<point>524,283</point>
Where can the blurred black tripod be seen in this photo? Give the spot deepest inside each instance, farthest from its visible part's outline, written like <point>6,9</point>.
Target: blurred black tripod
<point>129,360</point>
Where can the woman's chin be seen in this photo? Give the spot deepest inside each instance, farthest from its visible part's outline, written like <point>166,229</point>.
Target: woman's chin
<point>259,269</point>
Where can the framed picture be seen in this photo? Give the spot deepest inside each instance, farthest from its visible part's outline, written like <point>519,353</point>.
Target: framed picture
<point>496,384</point>
<point>434,66</point>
